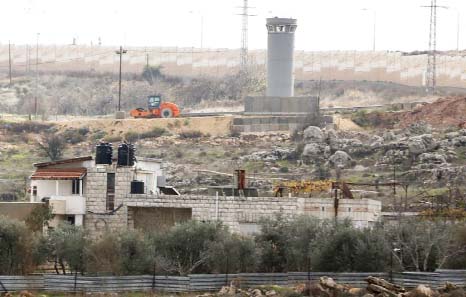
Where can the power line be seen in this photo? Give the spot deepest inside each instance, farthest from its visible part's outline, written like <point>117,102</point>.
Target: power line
<point>431,74</point>
<point>9,61</point>
<point>120,53</point>
<point>244,34</point>
<point>60,61</point>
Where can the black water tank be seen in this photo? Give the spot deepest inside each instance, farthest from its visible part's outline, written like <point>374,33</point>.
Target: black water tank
<point>137,187</point>
<point>126,154</point>
<point>103,153</point>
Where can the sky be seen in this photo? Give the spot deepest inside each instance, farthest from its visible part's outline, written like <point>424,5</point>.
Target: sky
<point>322,24</point>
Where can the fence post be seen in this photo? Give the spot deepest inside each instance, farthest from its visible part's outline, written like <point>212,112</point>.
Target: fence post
<point>75,279</point>
<point>153,277</point>
<point>226,272</point>
<point>3,287</point>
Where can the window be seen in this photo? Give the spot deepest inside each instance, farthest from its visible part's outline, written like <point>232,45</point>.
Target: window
<point>70,219</point>
<point>75,183</point>
<point>110,201</point>
<point>34,190</point>
<point>154,101</point>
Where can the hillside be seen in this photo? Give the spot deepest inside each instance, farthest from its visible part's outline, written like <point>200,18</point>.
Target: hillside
<point>89,94</point>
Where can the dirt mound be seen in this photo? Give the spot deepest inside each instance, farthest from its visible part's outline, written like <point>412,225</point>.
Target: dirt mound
<point>444,112</point>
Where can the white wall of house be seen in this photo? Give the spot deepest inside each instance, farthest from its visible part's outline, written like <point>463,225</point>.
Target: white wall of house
<point>48,188</point>
<point>147,170</point>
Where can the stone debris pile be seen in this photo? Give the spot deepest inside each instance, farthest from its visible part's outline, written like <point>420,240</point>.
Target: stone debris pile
<point>327,287</point>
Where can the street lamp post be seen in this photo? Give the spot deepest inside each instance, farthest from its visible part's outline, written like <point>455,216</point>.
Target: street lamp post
<point>37,75</point>
<point>373,25</point>
<point>120,52</point>
<point>202,26</point>
<point>392,250</point>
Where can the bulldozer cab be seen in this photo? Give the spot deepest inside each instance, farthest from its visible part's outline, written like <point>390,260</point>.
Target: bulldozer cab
<point>154,101</point>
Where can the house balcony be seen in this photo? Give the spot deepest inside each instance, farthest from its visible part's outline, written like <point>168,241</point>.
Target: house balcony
<point>68,205</point>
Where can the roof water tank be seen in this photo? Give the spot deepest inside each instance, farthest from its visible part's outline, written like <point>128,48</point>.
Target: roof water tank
<point>103,153</point>
<point>126,154</point>
<point>137,187</point>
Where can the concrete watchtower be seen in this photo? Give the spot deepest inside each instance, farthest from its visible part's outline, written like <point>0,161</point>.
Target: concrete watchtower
<point>280,48</point>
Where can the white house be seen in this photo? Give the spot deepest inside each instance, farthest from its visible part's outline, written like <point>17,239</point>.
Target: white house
<point>64,185</point>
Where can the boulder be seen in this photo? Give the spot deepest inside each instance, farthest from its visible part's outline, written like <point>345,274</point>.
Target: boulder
<point>421,144</point>
<point>224,290</point>
<point>340,159</point>
<point>315,290</point>
<point>421,291</point>
<point>432,158</point>
<point>376,142</point>
<point>271,293</point>
<point>389,136</point>
<point>256,293</point>
<point>316,150</point>
<point>313,134</point>
<point>419,128</point>
<point>459,141</point>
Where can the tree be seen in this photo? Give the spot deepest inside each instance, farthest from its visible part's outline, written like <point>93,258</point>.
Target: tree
<point>16,247</point>
<point>353,250</point>
<point>39,217</point>
<point>67,244</point>
<point>53,146</point>
<point>424,245</point>
<point>135,255</point>
<point>303,239</point>
<point>185,246</point>
<point>152,73</point>
<point>105,255</point>
<point>232,253</point>
<point>273,242</point>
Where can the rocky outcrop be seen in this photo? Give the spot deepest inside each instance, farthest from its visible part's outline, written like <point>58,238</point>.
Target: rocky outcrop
<point>340,159</point>
<point>313,134</point>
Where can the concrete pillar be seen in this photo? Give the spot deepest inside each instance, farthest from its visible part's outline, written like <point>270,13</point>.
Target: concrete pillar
<point>80,187</point>
<point>57,188</point>
<point>78,220</point>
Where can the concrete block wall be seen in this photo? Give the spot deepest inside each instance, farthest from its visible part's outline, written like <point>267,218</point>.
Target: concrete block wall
<point>251,124</point>
<point>98,220</point>
<point>232,211</point>
<point>281,105</point>
<point>326,65</point>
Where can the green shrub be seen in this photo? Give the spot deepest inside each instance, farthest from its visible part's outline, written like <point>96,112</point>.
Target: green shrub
<point>132,136</point>
<point>113,138</point>
<point>99,135</point>
<point>17,245</point>
<point>191,134</point>
<point>25,127</point>
<point>374,119</point>
<point>53,146</point>
<point>74,136</point>
<point>284,170</point>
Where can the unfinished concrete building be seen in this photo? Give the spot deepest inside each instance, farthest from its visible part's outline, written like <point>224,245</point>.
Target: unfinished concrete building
<point>112,197</point>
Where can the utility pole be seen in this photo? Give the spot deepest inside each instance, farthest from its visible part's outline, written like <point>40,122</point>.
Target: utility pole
<point>9,61</point>
<point>120,52</point>
<point>458,32</point>
<point>374,12</point>
<point>431,73</point>
<point>37,75</point>
<point>147,61</point>
<point>244,35</point>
